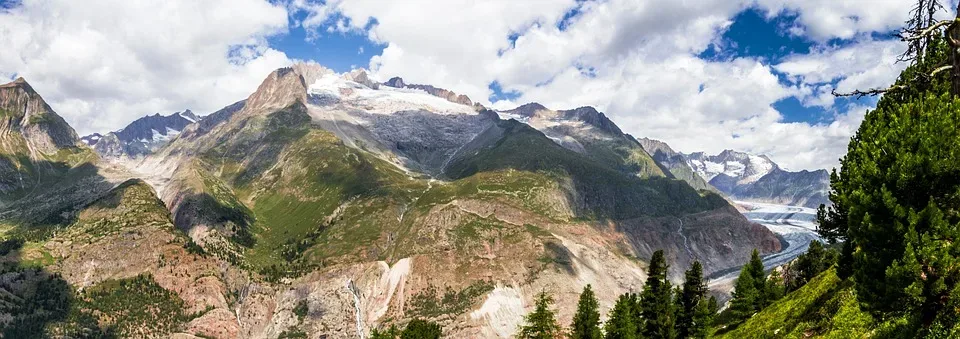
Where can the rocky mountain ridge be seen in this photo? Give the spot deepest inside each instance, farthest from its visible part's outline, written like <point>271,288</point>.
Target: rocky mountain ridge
<point>142,136</point>
<point>756,178</point>
<point>365,206</point>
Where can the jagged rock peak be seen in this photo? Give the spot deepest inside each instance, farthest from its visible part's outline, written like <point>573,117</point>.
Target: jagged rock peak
<point>451,96</point>
<point>590,115</point>
<point>23,109</point>
<point>528,110</point>
<point>360,76</point>
<point>310,71</point>
<point>282,88</point>
<point>395,82</point>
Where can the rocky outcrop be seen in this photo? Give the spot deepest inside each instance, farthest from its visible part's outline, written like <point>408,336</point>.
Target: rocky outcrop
<point>22,110</point>
<point>395,82</point>
<point>360,76</point>
<point>449,95</point>
<point>674,163</point>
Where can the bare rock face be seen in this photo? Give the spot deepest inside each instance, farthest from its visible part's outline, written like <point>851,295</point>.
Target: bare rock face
<point>395,82</point>
<point>23,110</point>
<point>281,88</point>
<point>360,76</point>
<point>443,93</point>
<point>448,95</point>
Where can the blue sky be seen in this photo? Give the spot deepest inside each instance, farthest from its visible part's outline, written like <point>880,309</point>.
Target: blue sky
<point>707,75</point>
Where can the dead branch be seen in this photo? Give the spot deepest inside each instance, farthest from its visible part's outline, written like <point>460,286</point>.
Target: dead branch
<point>926,32</point>
<point>877,91</point>
<point>870,92</point>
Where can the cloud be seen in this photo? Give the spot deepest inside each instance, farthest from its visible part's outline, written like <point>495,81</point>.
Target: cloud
<point>101,64</point>
<point>637,61</point>
<point>826,19</point>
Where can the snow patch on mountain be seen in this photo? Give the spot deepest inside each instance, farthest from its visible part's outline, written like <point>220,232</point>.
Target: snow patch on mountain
<point>331,88</point>
<point>745,168</point>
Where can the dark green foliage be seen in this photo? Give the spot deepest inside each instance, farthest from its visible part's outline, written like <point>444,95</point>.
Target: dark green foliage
<point>391,332</point>
<point>774,288</point>
<point>135,307</point>
<point>301,310</point>
<point>623,322</point>
<point>429,303</point>
<point>194,248</point>
<point>809,265</point>
<point>292,333</point>
<point>694,313</point>
<point>755,269</point>
<point>896,200</point>
<point>745,295</point>
<point>46,298</point>
<point>10,245</point>
<point>542,322</point>
<point>415,329</point>
<point>656,300</point>
<point>586,322</point>
<point>421,329</point>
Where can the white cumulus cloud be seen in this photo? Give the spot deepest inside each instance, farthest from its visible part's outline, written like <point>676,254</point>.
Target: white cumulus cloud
<point>101,64</point>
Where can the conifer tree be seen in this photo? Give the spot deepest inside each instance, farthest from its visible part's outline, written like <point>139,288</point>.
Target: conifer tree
<point>656,300</point>
<point>755,269</point>
<point>623,320</point>
<point>542,322</point>
<point>713,306</point>
<point>693,315</point>
<point>745,294</point>
<point>774,288</point>
<point>586,322</point>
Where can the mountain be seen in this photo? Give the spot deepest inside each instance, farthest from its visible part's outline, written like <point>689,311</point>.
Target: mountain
<point>674,163</point>
<point>450,96</point>
<point>142,136</point>
<point>328,204</point>
<point>756,178</point>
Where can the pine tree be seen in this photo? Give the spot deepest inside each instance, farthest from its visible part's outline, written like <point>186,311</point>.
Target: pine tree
<point>745,294</point>
<point>713,306</point>
<point>542,322</point>
<point>693,316</point>
<point>774,288</point>
<point>586,322</point>
<point>809,265</point>
<point>622,322</point>
<point>895,204</point>
<point>656,300</point>
<point>755,269</point>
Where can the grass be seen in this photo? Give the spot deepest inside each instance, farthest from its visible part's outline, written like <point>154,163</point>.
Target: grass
<point>602,190</point>
<point>826,307</point>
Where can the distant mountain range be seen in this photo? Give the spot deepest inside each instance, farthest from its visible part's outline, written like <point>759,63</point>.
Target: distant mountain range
<point>756,178</point>
<point>331,204</point>
<point>142,136</point>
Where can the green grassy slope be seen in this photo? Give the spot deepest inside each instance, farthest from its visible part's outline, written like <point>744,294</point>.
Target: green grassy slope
<point>826,307</point>
<point>602,190</point>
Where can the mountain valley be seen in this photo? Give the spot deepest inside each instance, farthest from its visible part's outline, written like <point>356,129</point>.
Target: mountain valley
<point>331,204</point>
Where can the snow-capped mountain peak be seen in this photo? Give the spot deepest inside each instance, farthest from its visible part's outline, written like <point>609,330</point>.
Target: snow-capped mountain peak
<point>744,167</point>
